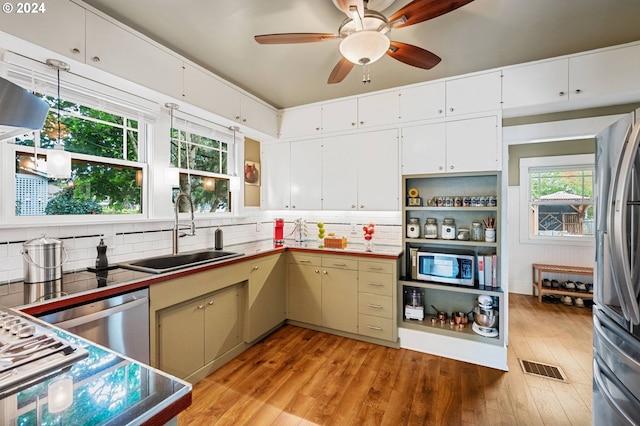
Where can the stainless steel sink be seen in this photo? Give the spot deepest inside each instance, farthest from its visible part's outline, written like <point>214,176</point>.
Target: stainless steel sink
<point>172,262</point>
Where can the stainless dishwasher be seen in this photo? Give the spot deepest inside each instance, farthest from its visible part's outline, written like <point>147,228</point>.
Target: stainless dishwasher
<point>120,323</point>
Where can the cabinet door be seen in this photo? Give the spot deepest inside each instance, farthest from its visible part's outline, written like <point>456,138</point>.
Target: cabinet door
<point>378,110</point>
<point>422,102</point>
<point>210,93</point>
<point>424,149</point>
<point>604,73</point>
<point>535,84</point>
<point>120,52</point>
<point>340,115</point>
<point>477,93</point>
<point>302,121</point>
<point>258,116</point>
<point>222,322</point>
<point>60,28</point>
<point>180,338</point>
<point>267,296</point>
<point>378,174</point>
<point>340,299</point>
<point>305,294</point>
<point>276,176</point>
<point>472,145</point>
<point>306,175</point>
<point>340,172</point>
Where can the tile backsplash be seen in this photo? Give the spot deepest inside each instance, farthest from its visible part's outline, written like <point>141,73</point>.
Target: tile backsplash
<point>134,240</point>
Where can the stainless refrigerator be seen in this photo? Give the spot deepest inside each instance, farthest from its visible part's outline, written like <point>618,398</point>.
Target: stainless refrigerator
<point>616,313</point>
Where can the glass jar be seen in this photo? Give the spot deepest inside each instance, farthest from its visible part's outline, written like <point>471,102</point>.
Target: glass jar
<point>476,231</point>
<point>431,228</point>
<point>413,228</point>
<point>448,231</point>
<point>463,234</point>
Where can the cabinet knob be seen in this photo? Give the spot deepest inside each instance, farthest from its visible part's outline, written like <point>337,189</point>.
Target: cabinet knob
<point>561,93</point>
<point>325,272</point>
<point>210,302</point>
<point>293,207</point>
<point>317,129</point>
<point>200,306</point>
<point>362,122</point>
<point>451,109</point>
<point>255,268</point>
<point>451,167</point>
<point>362,206</point>
<point>286,207</point>
<point>96,59</point>
<point>237,117</point>
<point>316,271</point>
<point>353,206</point>
<point>353,123</point>
<point>439,167</point>
<point>439,111</point>
<point>244,120</point>
<point>578,91</point>
<point>75,50</point>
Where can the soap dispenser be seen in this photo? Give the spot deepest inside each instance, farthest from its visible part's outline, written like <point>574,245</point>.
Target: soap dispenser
<point>218,239</point>
<point>101,261</point>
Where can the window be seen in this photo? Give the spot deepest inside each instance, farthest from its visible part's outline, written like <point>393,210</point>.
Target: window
<point>107,140</point>
<point>559,197</point>
<point>203,156</point>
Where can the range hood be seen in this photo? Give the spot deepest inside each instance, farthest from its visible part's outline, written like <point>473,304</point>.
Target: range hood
<point>20,110</point>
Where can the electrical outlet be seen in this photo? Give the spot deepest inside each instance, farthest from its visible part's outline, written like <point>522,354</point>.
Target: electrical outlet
<point>258,226</point>
<point>354,228</point>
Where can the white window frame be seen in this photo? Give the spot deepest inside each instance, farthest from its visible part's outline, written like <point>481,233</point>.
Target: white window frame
<point>526,237</point>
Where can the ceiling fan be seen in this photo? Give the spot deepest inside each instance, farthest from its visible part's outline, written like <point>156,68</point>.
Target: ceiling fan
<point>365,34</point>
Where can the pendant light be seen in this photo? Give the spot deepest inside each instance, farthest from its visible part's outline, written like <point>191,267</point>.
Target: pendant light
<point>58,160</point>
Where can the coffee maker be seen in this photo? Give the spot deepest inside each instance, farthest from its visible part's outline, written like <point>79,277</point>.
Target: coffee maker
<point>413,306</point>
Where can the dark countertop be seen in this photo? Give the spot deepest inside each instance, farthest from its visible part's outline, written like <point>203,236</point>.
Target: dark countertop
<point>108,389</point>
<point>83,286</point>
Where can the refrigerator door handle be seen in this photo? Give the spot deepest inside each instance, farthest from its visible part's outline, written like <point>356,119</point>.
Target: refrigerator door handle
<point>599,328</point>
<point>602,375</point>
<point>621,268</point>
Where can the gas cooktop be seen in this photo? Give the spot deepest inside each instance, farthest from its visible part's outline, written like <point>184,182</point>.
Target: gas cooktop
<point>30,352</point>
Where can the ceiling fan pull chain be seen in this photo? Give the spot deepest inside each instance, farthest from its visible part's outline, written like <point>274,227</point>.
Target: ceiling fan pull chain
<point>366,79</point>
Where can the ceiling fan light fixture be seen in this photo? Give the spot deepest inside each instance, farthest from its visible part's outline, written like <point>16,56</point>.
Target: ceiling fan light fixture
<point>364,47</point>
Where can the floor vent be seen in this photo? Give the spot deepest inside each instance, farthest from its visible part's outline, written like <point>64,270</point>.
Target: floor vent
<point>543,370</point>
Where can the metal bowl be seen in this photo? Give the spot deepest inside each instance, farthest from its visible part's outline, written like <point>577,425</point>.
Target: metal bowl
<point>485,317</point>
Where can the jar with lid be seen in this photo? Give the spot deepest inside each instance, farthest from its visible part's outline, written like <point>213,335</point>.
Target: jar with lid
<point>431,228</point>
<point>448,231</point>
<point>476,231</point>
<point>413,228</point>
<point>463,234</point>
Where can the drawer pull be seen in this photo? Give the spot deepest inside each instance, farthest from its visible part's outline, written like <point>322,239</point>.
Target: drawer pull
<point>375,268</point>
<point>373,327</point>
<point>339,264</point>
<point>304,261</point>
<point>370,305</point>
<point>375,284</point>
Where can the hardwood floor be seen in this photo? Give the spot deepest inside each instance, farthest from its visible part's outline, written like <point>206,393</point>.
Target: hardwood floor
<point>303,377</point>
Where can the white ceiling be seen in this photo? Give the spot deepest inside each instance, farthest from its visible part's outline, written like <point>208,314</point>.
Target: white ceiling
<point>484,34</point>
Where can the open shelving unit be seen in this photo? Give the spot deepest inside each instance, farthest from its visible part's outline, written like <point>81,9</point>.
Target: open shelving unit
<point>438,338</point>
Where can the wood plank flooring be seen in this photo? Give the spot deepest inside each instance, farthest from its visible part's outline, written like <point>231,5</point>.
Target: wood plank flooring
<point>303,377</point>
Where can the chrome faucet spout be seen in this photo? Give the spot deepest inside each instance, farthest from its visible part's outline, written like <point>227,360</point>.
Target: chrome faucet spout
<point>176,224</point>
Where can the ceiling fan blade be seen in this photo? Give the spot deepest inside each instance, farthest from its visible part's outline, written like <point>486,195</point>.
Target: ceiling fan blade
<point>345,5</point>
<point>423,10</point>
<point>340,71</point>
<point>413,55</point>
<point>288,38</point>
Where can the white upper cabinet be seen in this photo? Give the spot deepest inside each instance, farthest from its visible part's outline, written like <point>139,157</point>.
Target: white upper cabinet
<point>258,116</point>
<point>539,83</point>
<point>378,174</point>
<point>60,28</point>
<point>606,72</point>
<point>113,49</point>
<point>306,175</point>
<point>340,115</point>
<point>472,94</point>
<point>301,121</point>
<point>207,92</point>
<point>422,102</point>
<point>276,176</point>
<point>424,149</point>
<point>378,110</point>
<point>340,172</point>
<point>469,145</point>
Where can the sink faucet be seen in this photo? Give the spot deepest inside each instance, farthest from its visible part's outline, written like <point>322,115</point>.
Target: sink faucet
<point>176,224</point>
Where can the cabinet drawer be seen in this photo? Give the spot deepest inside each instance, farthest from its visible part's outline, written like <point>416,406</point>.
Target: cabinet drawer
<point>305,259</point>
<point>371,282</point>
<point>375,304</point>
<point>385,267</point>
<point>339,263</point>
<point>381,328</point>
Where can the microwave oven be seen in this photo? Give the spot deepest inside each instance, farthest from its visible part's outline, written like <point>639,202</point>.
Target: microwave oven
<point>447,268</point>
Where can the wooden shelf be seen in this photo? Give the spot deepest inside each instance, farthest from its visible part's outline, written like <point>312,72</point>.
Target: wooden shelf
<point>441,242</point>
<point>538,269</point>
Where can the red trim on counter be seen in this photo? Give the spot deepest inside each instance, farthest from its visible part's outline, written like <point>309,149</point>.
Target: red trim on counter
<point>175,408</point>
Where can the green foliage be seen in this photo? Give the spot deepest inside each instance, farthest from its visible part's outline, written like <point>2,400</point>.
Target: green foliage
<point>65,203</point>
